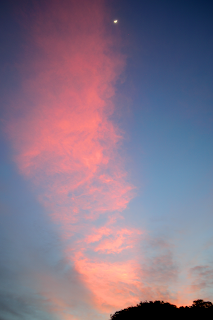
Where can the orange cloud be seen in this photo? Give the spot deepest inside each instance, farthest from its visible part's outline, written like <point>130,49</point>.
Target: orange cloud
<point>114,284</point>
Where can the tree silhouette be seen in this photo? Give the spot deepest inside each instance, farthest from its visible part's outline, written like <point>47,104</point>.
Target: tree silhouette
<point>201,304</point>
<point>165,310</point>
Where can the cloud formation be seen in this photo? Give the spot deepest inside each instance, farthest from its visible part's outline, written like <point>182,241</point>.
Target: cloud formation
<point>66,144</point>
<point>202,280</point>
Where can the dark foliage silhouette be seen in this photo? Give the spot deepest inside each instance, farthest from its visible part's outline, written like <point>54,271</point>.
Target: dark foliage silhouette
<point>159,309</point>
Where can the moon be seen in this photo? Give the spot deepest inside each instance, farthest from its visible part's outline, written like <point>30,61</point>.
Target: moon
<point>115,21</point>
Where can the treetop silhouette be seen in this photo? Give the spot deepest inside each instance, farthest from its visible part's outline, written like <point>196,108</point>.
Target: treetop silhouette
<point>156,309</point>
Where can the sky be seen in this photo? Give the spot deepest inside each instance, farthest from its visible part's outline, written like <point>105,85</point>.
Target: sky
<point>106,162</point>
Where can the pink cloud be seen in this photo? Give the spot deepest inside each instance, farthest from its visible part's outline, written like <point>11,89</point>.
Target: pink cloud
<point>118,241</point>
<point>66,145</point>
<point>111,282</point>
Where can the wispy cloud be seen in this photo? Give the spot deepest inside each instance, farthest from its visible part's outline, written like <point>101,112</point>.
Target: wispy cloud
<point>202,280</point>
<point>66,144</point>
<point>160,270</point>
